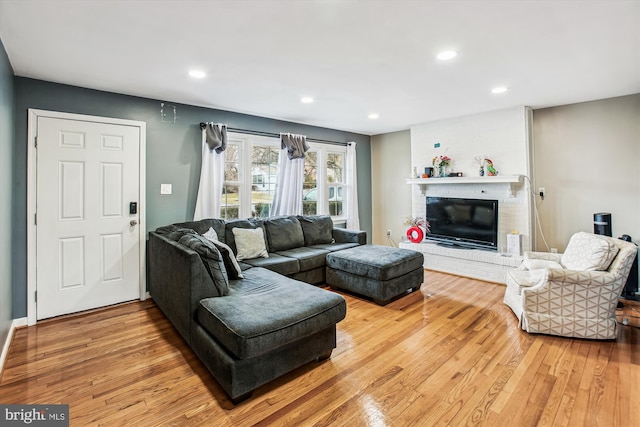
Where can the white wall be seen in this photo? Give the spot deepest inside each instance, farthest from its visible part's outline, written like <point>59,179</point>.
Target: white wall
<point>391,195</point>
<point>502,136</point>
<point>587,157</point>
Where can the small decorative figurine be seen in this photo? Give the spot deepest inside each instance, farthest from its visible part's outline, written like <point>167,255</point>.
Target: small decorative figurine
<point>491,171</point>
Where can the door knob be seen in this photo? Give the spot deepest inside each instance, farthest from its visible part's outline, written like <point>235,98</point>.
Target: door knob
<point>133,222</point>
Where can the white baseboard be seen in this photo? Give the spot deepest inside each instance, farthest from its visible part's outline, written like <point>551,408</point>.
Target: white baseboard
<point>16,323</point>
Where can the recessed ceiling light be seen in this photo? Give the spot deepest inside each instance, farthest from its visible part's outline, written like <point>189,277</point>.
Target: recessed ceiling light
<point>446,55</point>
<point>306,100</point>
<point>499,89</point>
<point>373,116</point>
<point>197,74</point>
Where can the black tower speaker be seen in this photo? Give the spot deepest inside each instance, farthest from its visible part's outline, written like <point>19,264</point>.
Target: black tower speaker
<point>602,224</point>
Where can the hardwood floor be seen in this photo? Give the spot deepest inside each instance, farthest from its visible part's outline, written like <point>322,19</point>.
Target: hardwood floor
<point>450,354</point>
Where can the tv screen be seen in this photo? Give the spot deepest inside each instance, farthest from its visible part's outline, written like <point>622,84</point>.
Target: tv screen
<point>463,222</point>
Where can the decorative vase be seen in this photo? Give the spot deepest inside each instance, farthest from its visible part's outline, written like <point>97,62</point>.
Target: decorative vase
<point>442,171</point>
<point>481,172</point>
<point>415,234</point>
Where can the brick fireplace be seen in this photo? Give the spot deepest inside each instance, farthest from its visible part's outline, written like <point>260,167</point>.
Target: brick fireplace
<point>503,137</point>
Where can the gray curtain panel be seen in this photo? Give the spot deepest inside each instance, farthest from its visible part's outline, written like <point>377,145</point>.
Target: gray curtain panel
<point>296,145</point>
<point>216,137</point>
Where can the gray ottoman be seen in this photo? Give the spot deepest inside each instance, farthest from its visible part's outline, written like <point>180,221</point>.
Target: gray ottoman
<point>378,272</point>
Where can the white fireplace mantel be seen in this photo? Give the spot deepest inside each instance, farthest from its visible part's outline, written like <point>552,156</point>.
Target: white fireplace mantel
<point>500,179</point>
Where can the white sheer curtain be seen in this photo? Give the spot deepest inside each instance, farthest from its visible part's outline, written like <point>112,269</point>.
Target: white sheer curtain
<point>351,208</point>
<point>287,199</point>
<point>214,144</point>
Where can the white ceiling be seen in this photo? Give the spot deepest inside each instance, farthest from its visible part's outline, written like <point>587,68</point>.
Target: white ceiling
<point>353,57</point>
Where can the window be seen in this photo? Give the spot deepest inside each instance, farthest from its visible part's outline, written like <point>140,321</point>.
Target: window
<point>310,185</point>
<point>251,171</point>
<point>335,182</point>
<point>229,208</point>
<point>324,181</point>
<point>264,173</point>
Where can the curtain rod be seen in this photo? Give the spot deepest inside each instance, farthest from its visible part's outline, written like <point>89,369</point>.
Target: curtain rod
<point>274,135</point>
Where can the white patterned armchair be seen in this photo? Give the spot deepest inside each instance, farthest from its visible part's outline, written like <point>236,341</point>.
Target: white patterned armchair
<point>574,294</point>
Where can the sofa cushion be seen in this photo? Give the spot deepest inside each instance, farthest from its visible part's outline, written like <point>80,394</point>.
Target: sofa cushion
<point>278,263</point>
<point>265,311</point>
<point>250,224</point>
<point>212,260</point>
<point>334,247</point>
<point>588,252</point>
<point>230,263</point>
<point>250,243</point>
<point>284,233</point>
<point>317,229</point>
<point>308,258</point>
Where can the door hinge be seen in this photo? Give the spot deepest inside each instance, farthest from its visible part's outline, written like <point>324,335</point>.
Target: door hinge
<point>35,296</point>
<point>35,219</point>
<point>36,141</point>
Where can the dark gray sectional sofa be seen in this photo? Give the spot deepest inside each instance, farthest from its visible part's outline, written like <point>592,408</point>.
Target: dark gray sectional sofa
<point>251,329</point>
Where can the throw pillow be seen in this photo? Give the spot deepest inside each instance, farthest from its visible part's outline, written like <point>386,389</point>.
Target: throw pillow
<point>588,252</point>
<point>211,234</point>
<point>233,269</point>
<point>250,243</point>
<point>212,260</point>
<point>538,264</point>
<point>229,237</point>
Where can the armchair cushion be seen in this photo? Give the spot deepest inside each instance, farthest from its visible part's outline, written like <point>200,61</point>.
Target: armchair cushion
<point>525,279</point>
<point>589,252</point>
<point>536,264</point>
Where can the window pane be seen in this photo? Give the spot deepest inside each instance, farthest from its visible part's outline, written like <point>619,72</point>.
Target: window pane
<point>230,206</point>
<point>335,169</point>
<point>264,172</point>
<point>335,165</point>
<point>310,185</point>
<point>232,166</point>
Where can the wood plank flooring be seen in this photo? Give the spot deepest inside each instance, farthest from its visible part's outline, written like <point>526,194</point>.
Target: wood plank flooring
<point>450,354</point>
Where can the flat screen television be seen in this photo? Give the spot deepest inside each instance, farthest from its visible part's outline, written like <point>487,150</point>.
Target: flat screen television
<point>470,223</point>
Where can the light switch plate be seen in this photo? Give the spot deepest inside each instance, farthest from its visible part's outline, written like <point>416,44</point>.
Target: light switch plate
<point>166,188</point>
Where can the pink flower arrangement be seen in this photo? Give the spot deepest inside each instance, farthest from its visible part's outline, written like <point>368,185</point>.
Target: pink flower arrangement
<point>441,161</point>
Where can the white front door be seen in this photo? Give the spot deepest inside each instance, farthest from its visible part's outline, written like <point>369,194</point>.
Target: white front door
<point>87,232</point>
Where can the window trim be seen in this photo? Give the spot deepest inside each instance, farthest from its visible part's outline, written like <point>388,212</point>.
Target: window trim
<point>246,141</point>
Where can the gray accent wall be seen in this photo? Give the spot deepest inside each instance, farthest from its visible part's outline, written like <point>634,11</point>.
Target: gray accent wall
<point>173,154</point>
<point>6,153</point>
